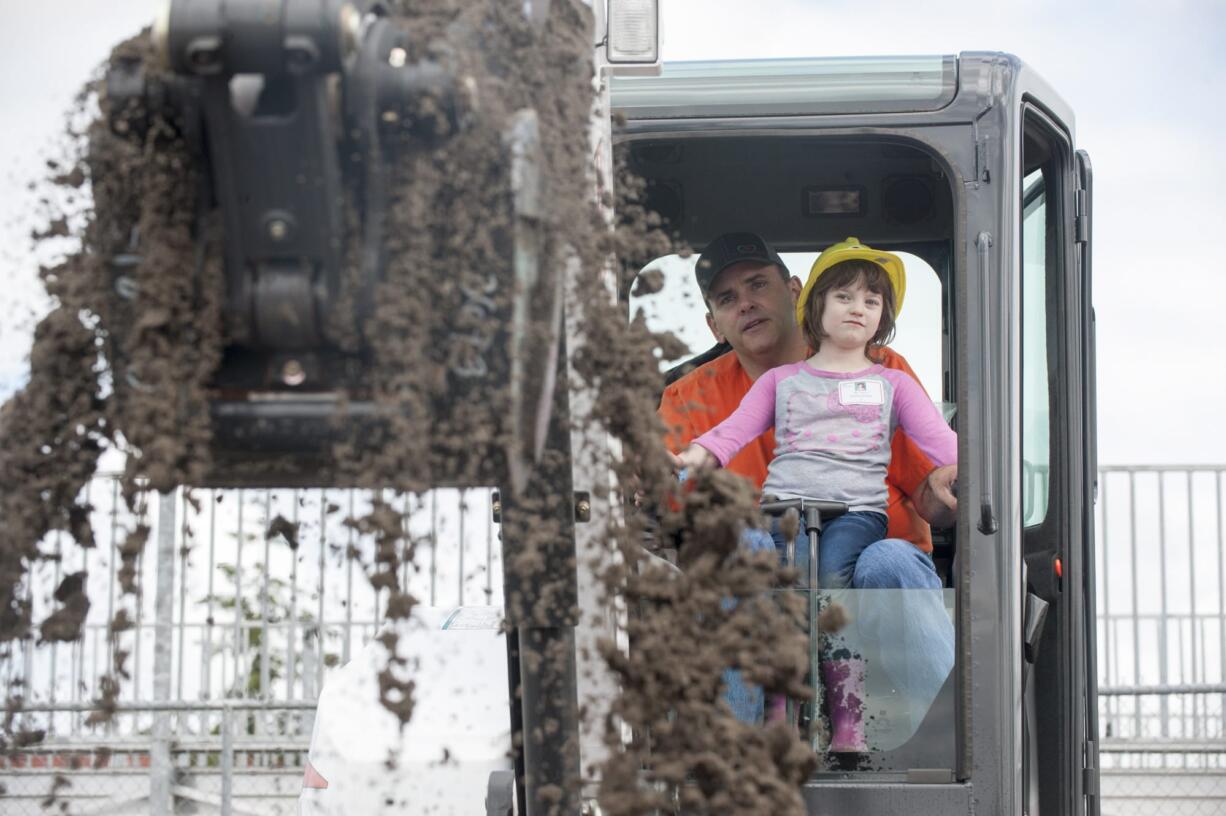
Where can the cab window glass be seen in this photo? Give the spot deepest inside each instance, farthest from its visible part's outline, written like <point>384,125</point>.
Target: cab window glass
<point>1036,397</point>
<point>901,640</point>
<point>679,308</point>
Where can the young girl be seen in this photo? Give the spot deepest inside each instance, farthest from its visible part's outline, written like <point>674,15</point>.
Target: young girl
<point>835,413</point>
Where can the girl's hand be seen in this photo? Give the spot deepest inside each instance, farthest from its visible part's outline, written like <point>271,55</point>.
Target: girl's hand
<point>695,457</point>
<point>936,499</point>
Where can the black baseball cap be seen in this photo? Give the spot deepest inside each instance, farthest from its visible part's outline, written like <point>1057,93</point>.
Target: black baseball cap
<point>730,248</point>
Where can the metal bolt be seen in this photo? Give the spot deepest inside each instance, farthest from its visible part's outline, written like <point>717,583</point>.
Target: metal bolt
<point>468,88</point>
<point>126,288</point>
<point>278,229</point>
<point>292,373</point>
<point>397,57</point>
<point>203,58</point>
<point>133,379</point>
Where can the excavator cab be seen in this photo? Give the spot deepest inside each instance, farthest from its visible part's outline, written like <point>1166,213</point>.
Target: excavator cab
<point>967,167</point>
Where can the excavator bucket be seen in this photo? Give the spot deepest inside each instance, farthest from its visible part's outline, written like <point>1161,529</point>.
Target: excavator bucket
<point>297,123</point>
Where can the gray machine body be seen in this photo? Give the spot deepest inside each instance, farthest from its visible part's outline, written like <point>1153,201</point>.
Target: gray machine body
<point>720,161</point>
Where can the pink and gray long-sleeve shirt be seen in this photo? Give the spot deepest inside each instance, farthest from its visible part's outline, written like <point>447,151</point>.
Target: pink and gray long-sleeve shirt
<point>833,431</point>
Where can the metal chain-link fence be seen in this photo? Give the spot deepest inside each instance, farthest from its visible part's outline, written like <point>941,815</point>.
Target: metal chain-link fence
<point>1163,751</point>
<point>247,600</point>
<point>251,623</point>
<point>235,757</point>
<point>1162,641</point>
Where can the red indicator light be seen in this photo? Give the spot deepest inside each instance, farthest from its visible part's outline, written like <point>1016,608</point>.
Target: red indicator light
<point>1059,565</point>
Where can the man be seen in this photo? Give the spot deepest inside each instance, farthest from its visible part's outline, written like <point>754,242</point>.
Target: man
<point>751,305</point>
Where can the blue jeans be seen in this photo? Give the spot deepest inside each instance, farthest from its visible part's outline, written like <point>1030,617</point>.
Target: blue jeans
<point>916,634</point>
<point>843,540</point>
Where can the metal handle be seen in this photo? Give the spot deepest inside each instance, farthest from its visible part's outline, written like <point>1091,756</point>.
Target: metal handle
<point>812,514</point>
<point>812,518</point>
<point>987,474</point>
<point>826,508</point>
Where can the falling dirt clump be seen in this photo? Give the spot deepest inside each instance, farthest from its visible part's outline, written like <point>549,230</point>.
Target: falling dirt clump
<point>393,549</point>
<point>688,747</point>
<point>157,273</point>
<point>64,624</point>
<point>138,241</point>
<point>49,438</point>
<point>129,552</point>
<point>59,783</point>
<point>395,690</point>
<point>13,736</point>
<point>284,528</point>
<point>648,282</point>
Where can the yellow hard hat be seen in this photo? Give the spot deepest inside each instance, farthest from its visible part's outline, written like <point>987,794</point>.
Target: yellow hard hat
<point>853,250</point>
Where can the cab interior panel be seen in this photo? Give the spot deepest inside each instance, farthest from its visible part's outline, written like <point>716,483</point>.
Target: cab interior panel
<point>804,193</point>
<point>801,193</point>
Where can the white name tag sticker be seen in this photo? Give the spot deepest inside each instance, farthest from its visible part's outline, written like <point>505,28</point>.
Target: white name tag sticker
<point>861,392</point>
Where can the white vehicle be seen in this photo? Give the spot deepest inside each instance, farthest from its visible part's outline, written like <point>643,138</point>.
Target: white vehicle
<point>454,754</point>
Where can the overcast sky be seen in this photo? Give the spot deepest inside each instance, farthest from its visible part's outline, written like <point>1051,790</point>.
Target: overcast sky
<point>1145,79</point>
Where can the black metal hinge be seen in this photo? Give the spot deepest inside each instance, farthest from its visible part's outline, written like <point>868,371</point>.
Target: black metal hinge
<point>982,174</point>
<point>1081,219</point>
<point>1089,774</point>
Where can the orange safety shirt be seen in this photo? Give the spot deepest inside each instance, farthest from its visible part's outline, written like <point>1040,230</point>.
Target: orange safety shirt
<point>702,399</point>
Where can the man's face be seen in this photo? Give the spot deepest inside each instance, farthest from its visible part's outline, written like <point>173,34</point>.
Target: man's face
<point>753,307</point>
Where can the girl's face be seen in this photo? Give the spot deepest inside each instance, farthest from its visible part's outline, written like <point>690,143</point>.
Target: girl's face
<point>851,315</point>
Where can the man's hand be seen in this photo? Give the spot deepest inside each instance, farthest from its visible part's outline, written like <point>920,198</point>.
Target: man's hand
<point>695,457</point>
<point>936,502</point>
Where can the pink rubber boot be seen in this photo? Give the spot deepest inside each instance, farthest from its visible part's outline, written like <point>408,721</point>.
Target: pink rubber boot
<point>776,708</point>
<point>844,680</point>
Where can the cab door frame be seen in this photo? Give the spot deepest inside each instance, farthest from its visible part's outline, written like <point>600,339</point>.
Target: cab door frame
<point>1057,546</point>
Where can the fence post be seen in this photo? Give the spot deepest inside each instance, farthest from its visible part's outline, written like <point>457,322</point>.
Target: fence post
<point>227,759</point>
<point>160,766</point>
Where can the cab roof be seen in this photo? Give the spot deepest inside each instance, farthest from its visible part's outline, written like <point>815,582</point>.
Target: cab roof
<point>781,87</point>
<point>954,85</point>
